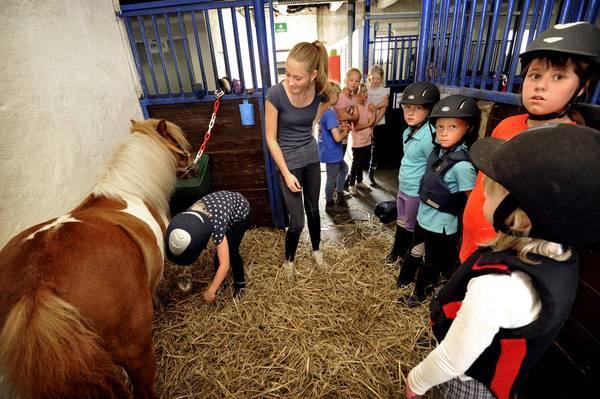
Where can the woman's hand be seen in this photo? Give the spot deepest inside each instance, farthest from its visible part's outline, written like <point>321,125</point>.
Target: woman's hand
<point>292,183</point>
<point>209,295</point>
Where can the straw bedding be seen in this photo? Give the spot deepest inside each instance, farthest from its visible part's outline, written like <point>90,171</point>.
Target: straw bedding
<point>333,333</point>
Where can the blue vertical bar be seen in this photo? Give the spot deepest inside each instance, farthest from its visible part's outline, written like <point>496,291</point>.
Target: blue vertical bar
<point>161,55</point>
<point>458,59</point>
<point>387,61</point>
<point>250,45</point>
<point>517,46</point>
<point>491,38</point>
<point>136,56</point>
<point>273,49</point>
<point>186,47</point>
<point>148,55</point>
<point>476,59</point>
<point>212,49</point>
<point>468,44</point>
<point>277,208</point>
<point>452,43</point>
<point>366,33</point>
<point>596,96</point>
<point>173,52</point>
<point>565,11</point>
<point>402,52</point>
<point>224,43</point>
<point>442,61</point>
<point>236,39</point>
<point>199,50</point>
<point>592,11</point>
<point>436,43</point>
<point>577,14</point>
<point>502,52</point>
<point>394,61</point>
<point>533,28</point>
<point>430,40</point>
<point>262,43</point>
<point>547,7</point>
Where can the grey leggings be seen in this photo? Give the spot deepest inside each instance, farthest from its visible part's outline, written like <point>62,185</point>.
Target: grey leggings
<point>309,178</point>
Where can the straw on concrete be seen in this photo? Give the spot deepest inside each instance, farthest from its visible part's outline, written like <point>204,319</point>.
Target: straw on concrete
<point>335,333</point>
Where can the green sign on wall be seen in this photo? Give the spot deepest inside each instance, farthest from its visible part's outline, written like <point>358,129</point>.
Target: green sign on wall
<point>280,27</point>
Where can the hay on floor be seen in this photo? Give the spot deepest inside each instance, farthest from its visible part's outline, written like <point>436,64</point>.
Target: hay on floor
<point>336,333</point>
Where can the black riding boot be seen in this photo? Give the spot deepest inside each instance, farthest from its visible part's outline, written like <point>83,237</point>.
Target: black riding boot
<point>403,239</point>
<point>410,265</point>
<point>427,278</point>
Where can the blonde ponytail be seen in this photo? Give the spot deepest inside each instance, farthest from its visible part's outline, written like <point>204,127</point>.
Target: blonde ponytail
<point>314,56</point>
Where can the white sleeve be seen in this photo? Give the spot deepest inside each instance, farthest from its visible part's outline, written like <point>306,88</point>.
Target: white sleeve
<point>491,302</point>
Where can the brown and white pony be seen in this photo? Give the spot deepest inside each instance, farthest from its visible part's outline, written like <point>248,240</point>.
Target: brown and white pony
<point>76,291</point>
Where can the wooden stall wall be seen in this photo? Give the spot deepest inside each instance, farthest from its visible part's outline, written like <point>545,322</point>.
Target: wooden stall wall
<point>571,367</point>
<point>235,151</point>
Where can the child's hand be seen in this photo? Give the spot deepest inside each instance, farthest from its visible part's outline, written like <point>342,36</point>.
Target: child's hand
<point>209,295</point>
<point>410,394</point>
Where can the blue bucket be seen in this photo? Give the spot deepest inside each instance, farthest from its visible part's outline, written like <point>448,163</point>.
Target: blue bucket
<point>247,113</point>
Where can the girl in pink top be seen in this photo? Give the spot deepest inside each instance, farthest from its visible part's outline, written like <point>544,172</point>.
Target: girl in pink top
<point>361,140</point>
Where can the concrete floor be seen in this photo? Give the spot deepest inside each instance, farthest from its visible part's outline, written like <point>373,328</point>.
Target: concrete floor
<point>334,226</point>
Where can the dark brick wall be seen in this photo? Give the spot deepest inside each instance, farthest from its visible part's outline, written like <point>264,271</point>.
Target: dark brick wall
<point>235,151</point>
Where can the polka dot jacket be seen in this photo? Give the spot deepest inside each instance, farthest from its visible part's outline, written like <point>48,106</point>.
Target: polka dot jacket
<point>226,208</point>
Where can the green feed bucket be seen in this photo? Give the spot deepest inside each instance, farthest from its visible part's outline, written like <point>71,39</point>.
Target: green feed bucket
<point>191,189</point>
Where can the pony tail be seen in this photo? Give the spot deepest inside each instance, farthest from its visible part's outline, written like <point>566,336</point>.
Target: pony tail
<point>322,67</point>
<point>577,117</point>
<point>46,351</point>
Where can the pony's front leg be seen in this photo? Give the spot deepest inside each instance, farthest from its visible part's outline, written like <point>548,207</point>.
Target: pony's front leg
<point>142,372</point>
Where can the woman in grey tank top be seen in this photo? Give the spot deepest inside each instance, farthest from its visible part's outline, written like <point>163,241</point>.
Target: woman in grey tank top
<point>292,109</point>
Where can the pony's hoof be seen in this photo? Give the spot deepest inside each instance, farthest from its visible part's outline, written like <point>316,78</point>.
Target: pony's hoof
<point>185,284</point>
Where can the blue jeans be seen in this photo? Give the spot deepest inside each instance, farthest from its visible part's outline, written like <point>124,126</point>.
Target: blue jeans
<point>336,175</point>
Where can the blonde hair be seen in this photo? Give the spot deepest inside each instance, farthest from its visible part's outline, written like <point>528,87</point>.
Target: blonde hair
<point>314,56</point>
<point>333,87</point>
<point>349,71</point>
<point>375,69</point>
<point>519,222</point>
<point>362,87</point>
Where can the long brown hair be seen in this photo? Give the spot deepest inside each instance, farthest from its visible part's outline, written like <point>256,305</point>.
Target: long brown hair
<point>314,56</point>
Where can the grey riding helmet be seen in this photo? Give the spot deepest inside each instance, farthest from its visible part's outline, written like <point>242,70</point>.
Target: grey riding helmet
<point>459,106</point>
<point>580,39</point>
<point>420,93</point>
<point>186,237</point>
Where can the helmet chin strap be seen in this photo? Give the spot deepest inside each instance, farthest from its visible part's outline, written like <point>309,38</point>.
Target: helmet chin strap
<point>556,115</point>
<point>502,212</point>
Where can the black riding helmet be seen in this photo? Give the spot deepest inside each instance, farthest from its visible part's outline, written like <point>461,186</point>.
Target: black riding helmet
<point>187,235</point>
<point>459,106</point>
<point>420,93</point>
<point>578,40</point>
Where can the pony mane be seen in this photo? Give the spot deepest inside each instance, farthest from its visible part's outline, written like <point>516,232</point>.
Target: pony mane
<point>143,166</point>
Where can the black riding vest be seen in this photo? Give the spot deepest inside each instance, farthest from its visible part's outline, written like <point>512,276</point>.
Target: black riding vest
<point>433,189</point>
<point>504,364</point>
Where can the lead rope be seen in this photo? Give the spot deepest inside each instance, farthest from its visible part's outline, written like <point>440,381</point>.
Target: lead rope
<point>218,94</point>
<point>184,280</point>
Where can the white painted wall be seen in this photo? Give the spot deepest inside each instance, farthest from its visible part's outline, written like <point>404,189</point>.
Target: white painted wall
<point>67,95</point>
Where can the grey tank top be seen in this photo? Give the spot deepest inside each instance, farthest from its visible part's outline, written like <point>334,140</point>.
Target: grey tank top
<point>294,128</point>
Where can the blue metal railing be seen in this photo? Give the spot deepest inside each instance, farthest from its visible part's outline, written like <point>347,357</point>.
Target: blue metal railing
<point>475,45</point>
<point>183,46</point>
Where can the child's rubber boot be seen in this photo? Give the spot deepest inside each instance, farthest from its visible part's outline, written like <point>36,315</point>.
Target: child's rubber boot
<point>408,270</point>
<point>402,241</point>
<point>426,280</point>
